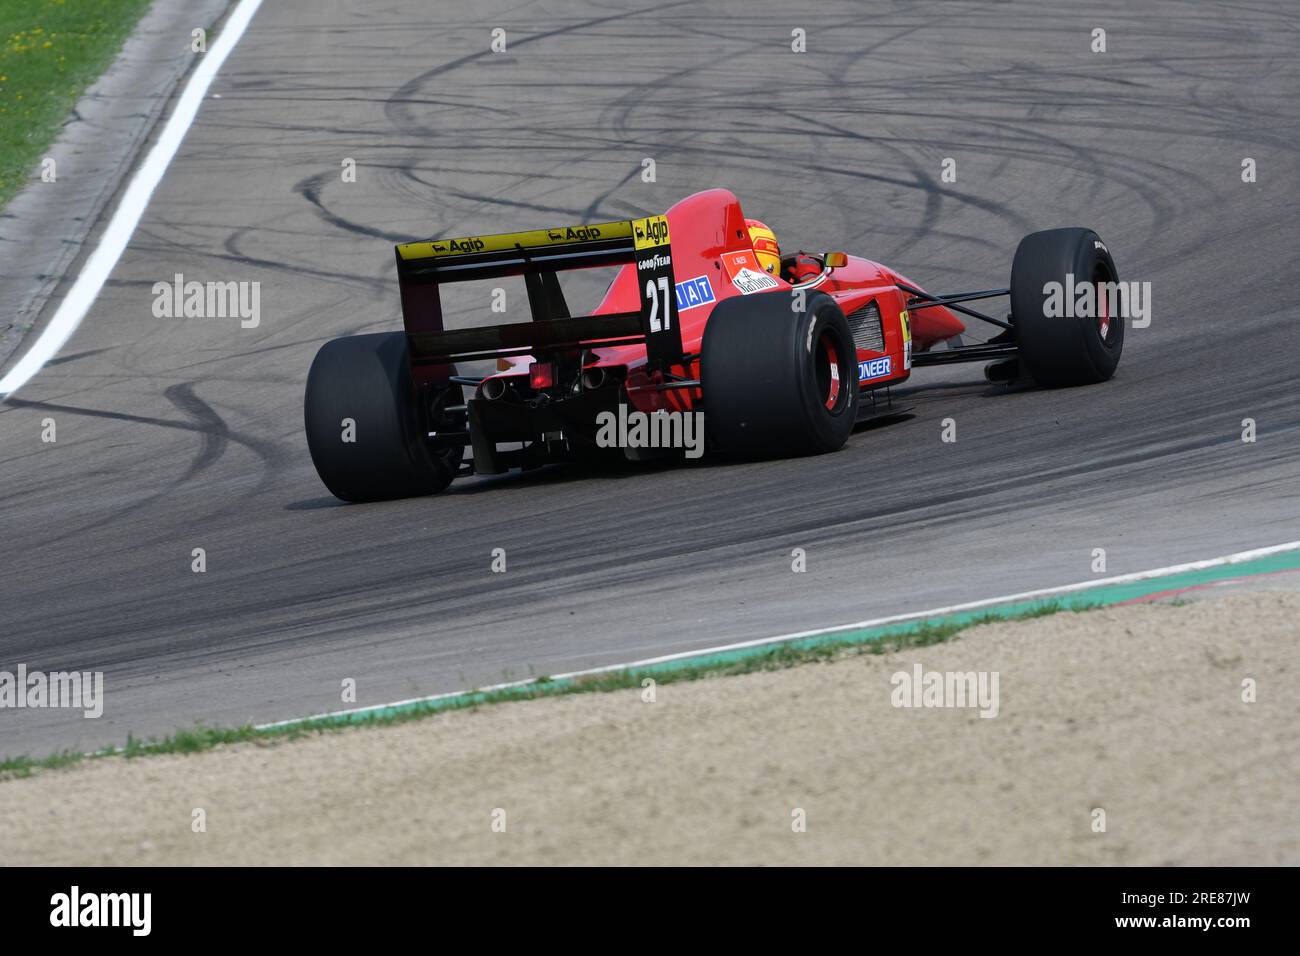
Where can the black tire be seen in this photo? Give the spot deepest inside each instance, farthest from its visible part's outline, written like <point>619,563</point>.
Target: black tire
<point>366,378</point>
<point>1059,349</point>
<point>765,373</point>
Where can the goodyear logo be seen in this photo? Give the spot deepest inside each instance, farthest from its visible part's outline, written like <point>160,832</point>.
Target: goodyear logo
<point>649,232</point>
<point>875,368</point>
<point>694,292</point>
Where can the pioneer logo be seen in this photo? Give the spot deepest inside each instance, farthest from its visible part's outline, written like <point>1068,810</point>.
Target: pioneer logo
<point>875,368</point>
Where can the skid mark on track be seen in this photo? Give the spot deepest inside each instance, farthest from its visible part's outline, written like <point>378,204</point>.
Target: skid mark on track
<point>210,426</point>
<point>398,108</point>
<point>201,419</point>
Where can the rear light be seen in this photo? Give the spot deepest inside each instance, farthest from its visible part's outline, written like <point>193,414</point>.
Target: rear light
<point>541,376</point>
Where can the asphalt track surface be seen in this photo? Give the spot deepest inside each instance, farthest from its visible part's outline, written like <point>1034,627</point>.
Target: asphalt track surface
<point>182,433</point>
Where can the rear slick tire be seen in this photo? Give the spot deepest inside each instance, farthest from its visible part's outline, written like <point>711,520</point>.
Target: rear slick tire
<point>365,428</point>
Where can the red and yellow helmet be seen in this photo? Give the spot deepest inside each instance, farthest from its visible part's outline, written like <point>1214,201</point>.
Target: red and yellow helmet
<point>765,245</point>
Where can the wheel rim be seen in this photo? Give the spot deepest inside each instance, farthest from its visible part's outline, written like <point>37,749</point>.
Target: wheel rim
<point>440,420</point>
<point>829,380</point>
<point>1105,323</point>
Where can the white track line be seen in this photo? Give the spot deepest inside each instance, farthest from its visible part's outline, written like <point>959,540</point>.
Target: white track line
<point>859,625</point>
<point>100,263</point>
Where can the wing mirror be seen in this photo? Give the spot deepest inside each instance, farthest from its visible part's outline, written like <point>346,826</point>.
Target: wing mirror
<point>836,260</point>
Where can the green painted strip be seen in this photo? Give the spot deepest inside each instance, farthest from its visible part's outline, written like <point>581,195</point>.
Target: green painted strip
<point>1073,601</point>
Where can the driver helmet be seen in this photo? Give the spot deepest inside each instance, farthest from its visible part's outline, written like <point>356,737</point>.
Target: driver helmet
<point>765,246</point>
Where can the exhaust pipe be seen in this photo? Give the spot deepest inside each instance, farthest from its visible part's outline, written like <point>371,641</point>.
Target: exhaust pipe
<point>594,378</point>
<point>492,389</point>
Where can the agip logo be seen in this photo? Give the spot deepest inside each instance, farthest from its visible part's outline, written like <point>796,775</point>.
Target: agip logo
<point>570,234</point>
<point>651,231</point>
<point>462,246</point>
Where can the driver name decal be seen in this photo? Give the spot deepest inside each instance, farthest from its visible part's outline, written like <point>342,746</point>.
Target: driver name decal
<point>746,274</point>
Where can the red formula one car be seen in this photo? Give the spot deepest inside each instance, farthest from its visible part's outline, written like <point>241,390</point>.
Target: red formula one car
<point>780,356</point>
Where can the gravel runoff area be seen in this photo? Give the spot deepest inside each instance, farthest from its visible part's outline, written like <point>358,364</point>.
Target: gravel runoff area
<point>1136,711</point>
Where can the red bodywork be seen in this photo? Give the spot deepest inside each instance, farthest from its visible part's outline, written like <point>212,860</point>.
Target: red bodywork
<point>709,240</point>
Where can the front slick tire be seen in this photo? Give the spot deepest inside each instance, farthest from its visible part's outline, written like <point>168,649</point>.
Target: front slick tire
<point>359,387</point>
<point>778,382</point>
<point>1059,346</point>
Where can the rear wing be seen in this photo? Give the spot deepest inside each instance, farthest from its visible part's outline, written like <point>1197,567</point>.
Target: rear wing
<point>422,267</point>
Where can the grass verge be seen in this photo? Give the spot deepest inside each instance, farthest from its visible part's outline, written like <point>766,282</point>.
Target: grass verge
<point>51,51</point>
<point>774,657</point>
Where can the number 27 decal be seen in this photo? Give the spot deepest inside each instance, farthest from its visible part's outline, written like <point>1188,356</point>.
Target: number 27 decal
<point>654,288</point>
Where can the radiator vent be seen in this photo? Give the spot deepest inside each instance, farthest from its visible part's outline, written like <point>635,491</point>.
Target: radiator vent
<point>867,331</point>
